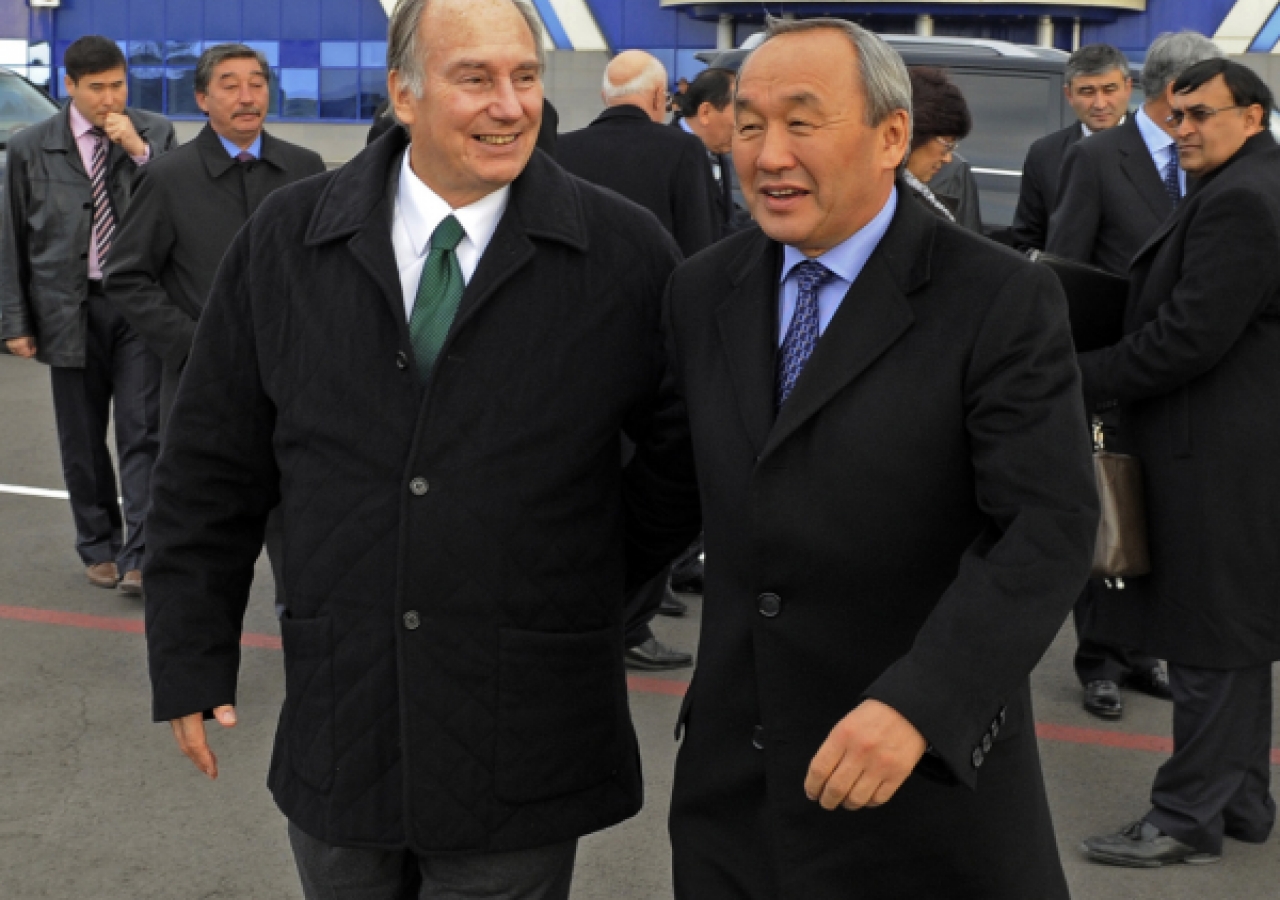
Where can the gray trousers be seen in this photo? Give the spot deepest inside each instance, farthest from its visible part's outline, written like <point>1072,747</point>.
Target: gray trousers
<point>345,873</point>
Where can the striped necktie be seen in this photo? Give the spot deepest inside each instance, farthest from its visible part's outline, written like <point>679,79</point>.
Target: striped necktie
<point>802,333</point>
<point>1171,185</point>
<point>104,217</point>
<point>439,293</point>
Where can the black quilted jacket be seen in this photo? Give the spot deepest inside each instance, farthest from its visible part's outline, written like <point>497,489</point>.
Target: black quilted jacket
<point>455,556</point>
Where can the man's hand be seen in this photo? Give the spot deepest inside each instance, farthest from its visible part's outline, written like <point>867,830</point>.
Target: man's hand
<point>23,346</point>
<point>119,129</point>
<point>865,759</point>
<point>189,732</point>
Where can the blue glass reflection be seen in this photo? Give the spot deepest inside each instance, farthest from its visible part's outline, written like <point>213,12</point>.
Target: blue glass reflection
<point>299,93</point>
<point>339,53</point>
<point>339,93</point>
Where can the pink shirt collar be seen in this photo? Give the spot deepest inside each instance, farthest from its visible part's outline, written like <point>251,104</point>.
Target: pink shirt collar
<point>79,124</point>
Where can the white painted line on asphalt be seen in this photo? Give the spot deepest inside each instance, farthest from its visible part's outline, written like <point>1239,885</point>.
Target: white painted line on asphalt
<point>33,492</point>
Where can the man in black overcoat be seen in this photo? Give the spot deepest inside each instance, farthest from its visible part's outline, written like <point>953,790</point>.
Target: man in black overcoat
<point>428,359</point>
<point>708,115</point>
<point>1097,87</point>
<point>1116,189</point>
<point>898,514</point>
<point>627,149</point>
<point>1198,374</point>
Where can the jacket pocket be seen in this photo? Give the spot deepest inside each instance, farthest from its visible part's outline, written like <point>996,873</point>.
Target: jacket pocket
<point>558,716</point>
<point>309,700</point>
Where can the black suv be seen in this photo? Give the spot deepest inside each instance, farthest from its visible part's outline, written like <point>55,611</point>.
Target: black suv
<point>21,104</point>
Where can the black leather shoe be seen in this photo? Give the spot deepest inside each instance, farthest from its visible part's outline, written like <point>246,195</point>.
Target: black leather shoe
<point>1102,698</point>
<point>1153,682</point>
<point>654,656</point>
<point>1143,846</point>
<point>672,605</point>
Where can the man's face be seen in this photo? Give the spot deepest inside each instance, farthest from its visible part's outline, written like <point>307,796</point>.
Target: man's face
<point>476,124</point>
<point>717,127</point>
<point>812,171</point>
<point>237,100</point>
<point>98,95</point>
<point>1204,146</point>
<point>1100,101</point>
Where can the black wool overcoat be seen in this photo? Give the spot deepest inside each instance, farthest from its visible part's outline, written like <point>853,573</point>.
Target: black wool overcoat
<point>455,554</point>
<point>913,527</point>
<point>1038,191</point>
<point>1199,372</point>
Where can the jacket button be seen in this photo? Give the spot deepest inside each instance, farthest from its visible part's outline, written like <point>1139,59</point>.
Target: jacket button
<point>757,737</point>
<point>419,486</point>
<point>986,743</point>
<point>412,620</point>
<point>1003,712</point>
<point>402,360</point>
<point>995,729</point>
<point>769,605</point>
<point>978,757</point>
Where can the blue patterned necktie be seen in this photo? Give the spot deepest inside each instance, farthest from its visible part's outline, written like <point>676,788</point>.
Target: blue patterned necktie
<point>802,334</point>
<point>1171,185</point>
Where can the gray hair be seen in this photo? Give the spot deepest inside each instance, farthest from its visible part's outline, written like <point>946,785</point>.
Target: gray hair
<point>1170,55</point>
<point>402,40</point>
<point>214,56</point>
<point>1094,60</point>
<point>885,81</point>
<point>653,77</point>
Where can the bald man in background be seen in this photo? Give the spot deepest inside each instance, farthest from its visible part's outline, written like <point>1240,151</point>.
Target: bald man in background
<point>628,150</point>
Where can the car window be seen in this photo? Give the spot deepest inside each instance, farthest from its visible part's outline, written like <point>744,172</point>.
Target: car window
<point>20,105</point>
<point>1009,113</point>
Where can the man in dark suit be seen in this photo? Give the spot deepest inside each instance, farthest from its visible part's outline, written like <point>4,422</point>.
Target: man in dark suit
<point>1197,371</point>
<point>707,114</point>
<point>1116,190</point>
<point>899,511</point>
<point>186,209</point>
<point>69,180</point>
<point>628,150</point>
<point>1097,87</point>
<point>429,358</point>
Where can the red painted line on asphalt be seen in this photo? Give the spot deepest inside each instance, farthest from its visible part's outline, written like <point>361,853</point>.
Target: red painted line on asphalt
<point>1046,731</point>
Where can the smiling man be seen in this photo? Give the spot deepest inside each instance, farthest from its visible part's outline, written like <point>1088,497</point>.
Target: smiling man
<point>429,359</point>
<point>899,510</point>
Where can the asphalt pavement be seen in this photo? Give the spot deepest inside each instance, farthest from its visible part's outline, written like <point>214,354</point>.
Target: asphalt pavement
<point>96,802</point>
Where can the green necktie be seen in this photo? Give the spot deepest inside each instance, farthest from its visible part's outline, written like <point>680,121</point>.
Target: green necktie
<point>439,292</point>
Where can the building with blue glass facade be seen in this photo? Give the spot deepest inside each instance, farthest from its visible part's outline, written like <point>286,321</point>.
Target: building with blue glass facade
<point>327,56</point>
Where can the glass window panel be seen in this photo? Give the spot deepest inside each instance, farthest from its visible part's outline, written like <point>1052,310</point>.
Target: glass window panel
<point>40,75</point>
<point>373,90</point>
<point>146,88</point>
<point>182,92</point>
<point>300,93</point>
<point>13,53</point>
<point>182,53</point>
<point>20,107</point>
<point>145,53</point>
<point>300,54</point>
<point>273,92</point>
<point>339,93</point>
<point>40,54</point>
<point>339,53</point>
<point>269,49</point>
<point>373,54</point>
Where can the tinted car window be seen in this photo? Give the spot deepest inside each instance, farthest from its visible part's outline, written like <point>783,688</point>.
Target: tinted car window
<point>1009,112</point>
<point>20,105</point>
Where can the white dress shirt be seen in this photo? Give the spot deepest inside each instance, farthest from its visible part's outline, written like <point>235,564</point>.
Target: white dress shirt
<point>1160,146</point>
<point>419,211</point>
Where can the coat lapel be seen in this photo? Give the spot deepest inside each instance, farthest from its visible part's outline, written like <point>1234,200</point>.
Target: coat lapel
<point>218,163</point>
<point>59,139</point>
<point>873,315</point>
<point>1138,167</point>
<point>747,320</point>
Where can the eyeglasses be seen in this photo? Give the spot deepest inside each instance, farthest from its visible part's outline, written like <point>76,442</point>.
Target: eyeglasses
<point>1197,114</point>
<point>949,146</point>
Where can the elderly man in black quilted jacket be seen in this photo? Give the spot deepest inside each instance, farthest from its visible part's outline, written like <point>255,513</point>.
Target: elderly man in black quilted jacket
<point>429,358</point>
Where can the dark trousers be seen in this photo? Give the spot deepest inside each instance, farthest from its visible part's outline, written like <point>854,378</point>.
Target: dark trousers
<point>641,606</point>
<point>1218,781</point>
<point>1098,659</point>
<point>118,367</point>
<point>345,873</point>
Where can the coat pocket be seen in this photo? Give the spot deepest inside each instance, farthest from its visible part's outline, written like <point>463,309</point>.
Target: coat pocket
<point>309,700</point>
<point>558,716</point>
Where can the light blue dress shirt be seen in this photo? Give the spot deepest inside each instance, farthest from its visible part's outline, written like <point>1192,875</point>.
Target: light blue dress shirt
<point>255,149</point>
<point>1160,146</point>
<point>845,260</point>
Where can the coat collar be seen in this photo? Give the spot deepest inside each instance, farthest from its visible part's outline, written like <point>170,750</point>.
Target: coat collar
<point>1139,168</point>
<point>217,161</point>
<point>627,112</point>
<point>872,317</point>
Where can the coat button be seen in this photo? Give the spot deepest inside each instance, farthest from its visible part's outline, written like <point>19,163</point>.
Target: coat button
<point>995,728</point>
<point>757,737</point>
<point>769,605</point>
<point>978,757</point>
<point>419,486</point>
<point>402,360</point>
<point>986,743</point>
<point>412,620</point>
